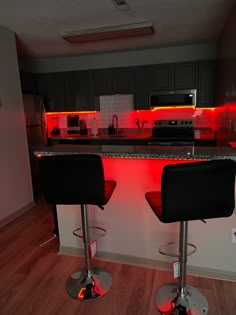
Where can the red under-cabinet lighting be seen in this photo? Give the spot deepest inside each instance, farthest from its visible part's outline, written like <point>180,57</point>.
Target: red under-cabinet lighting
<point>153,109</point>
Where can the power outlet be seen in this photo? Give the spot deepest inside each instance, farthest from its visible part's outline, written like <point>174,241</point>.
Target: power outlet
<point>233,235</point>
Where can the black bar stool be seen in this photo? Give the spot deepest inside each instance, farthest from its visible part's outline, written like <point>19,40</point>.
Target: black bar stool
<point>190,191</point>
<point>79,179</point>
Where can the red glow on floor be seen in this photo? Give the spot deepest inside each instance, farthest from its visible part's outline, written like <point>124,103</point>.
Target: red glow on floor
<point>81,293</point>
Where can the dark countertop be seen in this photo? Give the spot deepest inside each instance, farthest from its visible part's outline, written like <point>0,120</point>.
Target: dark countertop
<point>123,139</point>
<point>146,152</point>
<point>101,136</point>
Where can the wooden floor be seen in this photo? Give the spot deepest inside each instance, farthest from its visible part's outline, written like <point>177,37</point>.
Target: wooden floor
<point>32,278</point>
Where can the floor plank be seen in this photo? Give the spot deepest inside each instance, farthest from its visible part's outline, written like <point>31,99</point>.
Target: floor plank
<point>33,278</point>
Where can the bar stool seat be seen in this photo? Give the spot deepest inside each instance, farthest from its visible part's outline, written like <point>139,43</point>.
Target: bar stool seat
<point>78,179</point>
<point>154,200</point>
<point>190,191</point>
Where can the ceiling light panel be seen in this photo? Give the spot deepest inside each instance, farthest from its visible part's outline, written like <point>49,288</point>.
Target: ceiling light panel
<point>110,32</point>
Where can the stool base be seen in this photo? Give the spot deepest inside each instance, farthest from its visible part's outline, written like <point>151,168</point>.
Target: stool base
<point>168,302</point>
<point>89,286</point>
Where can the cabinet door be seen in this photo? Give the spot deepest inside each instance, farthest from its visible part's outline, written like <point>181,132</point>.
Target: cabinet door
<point>184,76</point>
<point>71,91</point>
<point>57,91</point>
<point>163,77</point>
<point>27,82</point>
<point>103,82</point>
<point>123,81</point>
<point>206,83</point>
<point>143,79</point>
<point>85,95</point>
<point>42,89</point>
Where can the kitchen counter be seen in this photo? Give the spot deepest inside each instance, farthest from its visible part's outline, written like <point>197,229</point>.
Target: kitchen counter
<point>133,232</point>
<point>143,152</point>
<point>123,139</point>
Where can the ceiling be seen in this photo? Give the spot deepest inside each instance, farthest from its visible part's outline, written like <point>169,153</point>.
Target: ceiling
<point>39,23</point>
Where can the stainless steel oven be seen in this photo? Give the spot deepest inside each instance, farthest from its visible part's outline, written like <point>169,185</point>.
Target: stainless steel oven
<point>172,132</point>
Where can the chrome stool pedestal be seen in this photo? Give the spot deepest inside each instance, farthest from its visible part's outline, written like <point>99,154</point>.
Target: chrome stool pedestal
<point>88,283</point>
<point>178,298</point>
<point>169,302</point>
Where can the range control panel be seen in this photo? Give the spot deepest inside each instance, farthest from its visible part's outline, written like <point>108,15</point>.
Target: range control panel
<point>189,123</point>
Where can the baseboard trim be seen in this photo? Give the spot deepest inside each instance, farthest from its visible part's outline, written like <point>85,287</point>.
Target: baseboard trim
<point>16,214</point>
<point>151,263</point>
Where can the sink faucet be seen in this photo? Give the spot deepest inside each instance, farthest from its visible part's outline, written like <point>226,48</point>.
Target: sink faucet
<point>115,119</point>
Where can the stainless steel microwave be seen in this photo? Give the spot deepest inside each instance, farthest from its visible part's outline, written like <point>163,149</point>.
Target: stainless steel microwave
<point>173,98</point>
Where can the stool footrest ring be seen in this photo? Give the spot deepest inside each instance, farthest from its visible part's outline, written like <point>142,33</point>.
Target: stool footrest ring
<point>166,253</point>
<point>92,236</point>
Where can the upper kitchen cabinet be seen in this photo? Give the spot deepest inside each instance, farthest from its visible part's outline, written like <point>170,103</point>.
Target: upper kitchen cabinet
<point>102,82</point>
<point>143,80</point>
<point>51,87</point>
<point>123,80</point>
<point>71,87</point>
<point>78,93</point>
<point>42,88</point>
<point>174,76</point>
<point>184,76</point>
<point>112,81</point>
<point>86,100</point>
<point>56,92</point>
<point>163,77</point>
<point>206,84</point>
<point>66,91</point>
<point>27,82</point>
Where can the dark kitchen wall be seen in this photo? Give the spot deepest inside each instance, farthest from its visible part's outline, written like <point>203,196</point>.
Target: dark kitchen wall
<point>181,53</point>
<point>226,78</point>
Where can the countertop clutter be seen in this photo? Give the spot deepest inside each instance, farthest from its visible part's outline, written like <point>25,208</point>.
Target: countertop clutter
<point>203,137</point>
<point>143,152</point>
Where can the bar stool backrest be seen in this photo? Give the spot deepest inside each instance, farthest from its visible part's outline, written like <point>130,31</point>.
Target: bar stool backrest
<point>73,179</point>
<point>198,190</point>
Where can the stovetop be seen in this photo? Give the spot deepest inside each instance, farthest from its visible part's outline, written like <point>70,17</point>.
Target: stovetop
<point>173,123</point>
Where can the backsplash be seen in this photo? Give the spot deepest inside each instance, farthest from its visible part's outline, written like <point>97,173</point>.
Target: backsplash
<point>120,105</point>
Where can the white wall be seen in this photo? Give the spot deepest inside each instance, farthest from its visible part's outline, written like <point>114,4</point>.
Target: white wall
<point>15,178</point>
<point>183,53</point>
